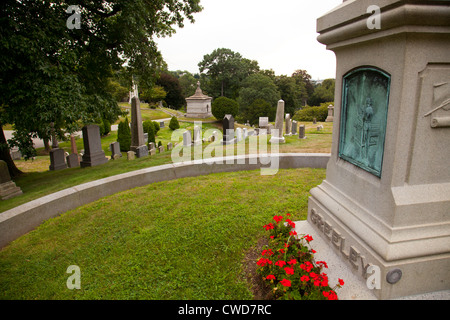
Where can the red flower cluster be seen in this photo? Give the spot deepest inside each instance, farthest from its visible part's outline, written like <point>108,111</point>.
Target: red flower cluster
<point>330,295</point>
<point>291,269</point>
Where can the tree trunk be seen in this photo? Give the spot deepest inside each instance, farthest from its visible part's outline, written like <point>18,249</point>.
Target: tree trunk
<point>6,156</point>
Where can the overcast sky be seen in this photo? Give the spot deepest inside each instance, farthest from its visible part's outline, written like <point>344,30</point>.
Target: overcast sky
<point>280,35</point>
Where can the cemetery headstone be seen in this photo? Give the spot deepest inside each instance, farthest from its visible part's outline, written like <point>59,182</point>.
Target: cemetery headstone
<point>330,116</point>
<point>169,146</point>
<point>161,149</point>
<point>187,141</point>
<point>115,150</point>
<point>93,153</point>
<point>238,134</point>
<point>197,136</point>
<point>57,159</point>
<point>301,132</point>
<point>279,124</point>
<point>263,122</point>
<point>138,144</point>
<point>288,124</point>
<point>161,124</point>
<point>228,129</point>
<point>131,155</point>
<point>73,160</point>
<point>8,188</point>
<point>294,127</point>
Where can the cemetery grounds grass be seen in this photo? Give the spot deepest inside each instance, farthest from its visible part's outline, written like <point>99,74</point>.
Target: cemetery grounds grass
<point>179,239</point>
<point>38,181</point>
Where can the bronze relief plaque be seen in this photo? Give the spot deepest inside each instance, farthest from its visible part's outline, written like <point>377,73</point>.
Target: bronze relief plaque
<point>365,100</point>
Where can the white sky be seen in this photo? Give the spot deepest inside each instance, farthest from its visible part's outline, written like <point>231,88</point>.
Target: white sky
<point>280,35</point>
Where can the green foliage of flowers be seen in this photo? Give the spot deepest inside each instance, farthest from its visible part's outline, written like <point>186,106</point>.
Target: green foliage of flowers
<point>288,266</point>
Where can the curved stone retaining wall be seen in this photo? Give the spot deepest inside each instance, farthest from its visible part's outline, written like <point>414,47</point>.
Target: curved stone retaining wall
<point>24,218</point>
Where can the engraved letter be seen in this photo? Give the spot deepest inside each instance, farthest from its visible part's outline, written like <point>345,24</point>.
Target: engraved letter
<point>374,21</point>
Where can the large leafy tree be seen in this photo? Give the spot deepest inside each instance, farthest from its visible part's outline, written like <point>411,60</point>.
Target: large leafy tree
<point>53,73</point>
<point>262,88</point>
<point>224,70</point>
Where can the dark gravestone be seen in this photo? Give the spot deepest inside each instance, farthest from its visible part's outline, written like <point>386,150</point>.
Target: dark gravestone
<point>93,153</point>
<point>115,150</point>
<point>57,159</point>
<point>228,129</point>
<point>138,144</point>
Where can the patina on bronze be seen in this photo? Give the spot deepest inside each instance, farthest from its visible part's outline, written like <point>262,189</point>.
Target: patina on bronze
<point>365,103</point>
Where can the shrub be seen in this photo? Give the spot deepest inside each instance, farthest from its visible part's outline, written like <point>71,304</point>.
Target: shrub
<point>309,113</point>
<point>106,127</point>
<point>173,124</point>
<point>287,265</point>
<point>149,127</point>
<point>124,135</point>
<point>222,106</point>
<point>156,126</point>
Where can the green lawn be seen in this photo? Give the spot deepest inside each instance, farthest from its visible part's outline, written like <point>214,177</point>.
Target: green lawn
<point>180,239</point>
<point>39,181</point>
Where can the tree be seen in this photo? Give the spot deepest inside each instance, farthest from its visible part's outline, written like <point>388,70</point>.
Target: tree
<point>292,93</point>
<point>302,76</point>
<point>173,124</point>
<point>124,135</point>
<point>322,93</point>
<point>222,106</point>
<point>258,86</point>
<point>54,74</point>
<point>149,128</point>
<point>171,85</point>
<point>225,70</point>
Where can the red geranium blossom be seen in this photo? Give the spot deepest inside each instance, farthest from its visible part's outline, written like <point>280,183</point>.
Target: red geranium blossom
<point>270,277</point>
<point>280,263</point>
<point>269,226</point>
<point>304,278</point>
<point>341,282</point>
<point>289,270</point>
<point>277,218</point>
<point>308,238</point>
<point>292,261</point>
<point>285,282</point>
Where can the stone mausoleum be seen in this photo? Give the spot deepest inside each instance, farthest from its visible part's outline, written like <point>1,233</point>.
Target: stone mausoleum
<point>198,105</point>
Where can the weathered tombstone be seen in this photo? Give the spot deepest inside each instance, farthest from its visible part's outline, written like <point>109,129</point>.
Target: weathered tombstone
<point>169,146</point>
<point>270,128</point>
<point>152,151</point>
<point>115,150</point>
<point>161,124</point>
<point>161,149</point>
<point>187,141</point>
<point>8,188</point>
<point>138,144</point>
<point>288,124</point>
<point>228,129</point>
<point>301,131</point>
<point>279,124</point>
<point>73,159</point>
<point>244,133</point>
<point>146,138</point>
<point>319,127</point>
<point>294,127</point>
<point>314,120</point>
<point>151,145</point>
<point>263,122</point>
<point>197,136</point>
<point>330,116</point>
<point>384,205</point>
<point>93,153</point>
<point>15,154</point>
<point>57,159</point>
<point>238,134</point>
<point>131,155</point>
